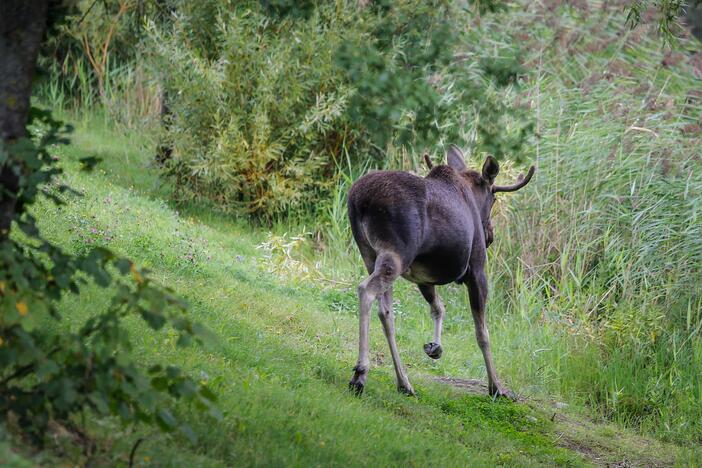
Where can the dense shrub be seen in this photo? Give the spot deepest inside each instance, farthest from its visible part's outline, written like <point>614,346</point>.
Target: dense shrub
<point>269,100</point>
<point>251,128</point>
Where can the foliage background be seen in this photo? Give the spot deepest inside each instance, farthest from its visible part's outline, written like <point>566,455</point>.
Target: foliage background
<point>269,103</point>
<point>272,109</point>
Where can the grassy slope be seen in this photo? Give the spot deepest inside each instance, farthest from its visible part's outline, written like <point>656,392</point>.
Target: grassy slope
<point>284,351</point>
<point>286,346</point>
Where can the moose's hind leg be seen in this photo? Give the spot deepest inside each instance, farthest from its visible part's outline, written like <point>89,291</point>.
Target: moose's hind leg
<point>387,318</point>
<point>386,269</point>
<point>433,349</point>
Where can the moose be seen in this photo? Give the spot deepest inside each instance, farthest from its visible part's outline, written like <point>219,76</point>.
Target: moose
<point>431,231</point>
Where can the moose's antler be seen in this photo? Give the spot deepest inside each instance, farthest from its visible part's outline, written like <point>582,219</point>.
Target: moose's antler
<point>521,182</point>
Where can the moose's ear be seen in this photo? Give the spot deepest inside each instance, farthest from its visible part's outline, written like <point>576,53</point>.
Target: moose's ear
<point>455,158</point>
<point>490,169</point>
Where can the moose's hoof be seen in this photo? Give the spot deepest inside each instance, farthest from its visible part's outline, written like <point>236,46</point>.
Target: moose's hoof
<point>502,392</point>
<point>356,388</point>
<point>358,381</point>
<point>406,389</point>
<point>433,350</point>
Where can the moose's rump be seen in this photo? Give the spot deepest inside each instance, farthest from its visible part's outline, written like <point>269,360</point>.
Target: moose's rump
<point>421,220</point>
<point>387,212</point>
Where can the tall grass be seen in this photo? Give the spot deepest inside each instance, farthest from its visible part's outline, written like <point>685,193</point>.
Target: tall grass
<point>132,97</point>
<point>609,240</point>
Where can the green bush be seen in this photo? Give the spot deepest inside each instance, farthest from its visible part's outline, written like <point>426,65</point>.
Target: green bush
<point>268,100</point>
<point>48,376</point>
<point>252,128</point>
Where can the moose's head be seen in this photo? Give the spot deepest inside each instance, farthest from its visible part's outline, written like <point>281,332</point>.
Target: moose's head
<point>482,184</point>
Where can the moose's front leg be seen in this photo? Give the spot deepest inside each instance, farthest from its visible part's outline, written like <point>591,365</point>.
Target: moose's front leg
<point>477,291</point>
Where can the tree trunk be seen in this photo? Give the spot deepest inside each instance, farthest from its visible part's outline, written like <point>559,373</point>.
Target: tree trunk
<point>22,24</point>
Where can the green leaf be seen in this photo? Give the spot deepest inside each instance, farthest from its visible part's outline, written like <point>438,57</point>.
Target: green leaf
<point>173,372</point>
<point>87,164</point>
<point>98,400</point>
<point>184,341</point>
<point>185,388</point>
<point>165,419</point>
<point>47,369</point>
<point>155,320</point>
<point>124,411</point>
<point>123,265</point>
<point>208,394</point>
<point>159,383</point>
<point>188,432</point>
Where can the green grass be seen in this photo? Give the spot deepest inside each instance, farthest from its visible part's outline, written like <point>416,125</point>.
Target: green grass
<point>594,277</point>
<point>283,357</point>
<point>285,349</point>
<point>606,244</point>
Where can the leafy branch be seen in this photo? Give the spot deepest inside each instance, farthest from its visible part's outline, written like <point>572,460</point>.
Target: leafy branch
<point>48,376</point>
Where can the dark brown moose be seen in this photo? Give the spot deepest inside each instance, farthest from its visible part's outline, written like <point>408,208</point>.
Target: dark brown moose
<point>431,231</point>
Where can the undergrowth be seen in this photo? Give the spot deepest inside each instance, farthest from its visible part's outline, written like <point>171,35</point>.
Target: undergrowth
<point>598,258</point>
<point>595,272</point>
